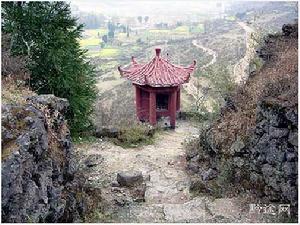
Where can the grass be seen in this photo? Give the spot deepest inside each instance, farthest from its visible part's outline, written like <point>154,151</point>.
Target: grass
<point>14,92</point>
<point>105,53</point>
<point>85,139</point>
<point>89,42</point>
<point>177,30</point>
<point>111,65</point>
<point>9,149</point>
<point>159,31</point>
<point>122,35</point>
<point>95,32</point>
<point>97,217</point>
<point>198,29</point>
<point>277,79</point>
<point>230,18</point>
<point>181,29</point>
<point>135,135</point>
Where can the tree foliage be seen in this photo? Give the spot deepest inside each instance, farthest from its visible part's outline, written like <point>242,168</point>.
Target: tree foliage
<point>48,34</point>
<point>140,19</point>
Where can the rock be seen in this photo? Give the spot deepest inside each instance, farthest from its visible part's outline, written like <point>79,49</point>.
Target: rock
<point>53,102</point>
<point>147,177</point>
<point>138,193</point>
<point>230,209</point>
<point>278,132</point>
<point>289,192</point>
<point>291,157</point>
<point>229,103</point>
<point>129,178</point>
<point>268,170</point>
<point>292,116</point>
<point>115,184</point>
<point>198,186</point>
<point>163,122</point>
<point>237,146</point>
<point>107,132</point>
<point>255,178</point>
<point>290,169</point>
<point>209,174</point>
<point>290,30</point>
<point>37,172</point>
<point>93,160</point>
<point>142,213</point>
<point>191,153</point>
<point>293,138</point>
<point>191,212</point>
<point>238,161</point>
<point>193,166</point>
<point>274,155</point>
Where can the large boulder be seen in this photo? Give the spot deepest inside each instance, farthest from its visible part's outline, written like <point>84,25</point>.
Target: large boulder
<point>129,178</point>
<point>38,167</point>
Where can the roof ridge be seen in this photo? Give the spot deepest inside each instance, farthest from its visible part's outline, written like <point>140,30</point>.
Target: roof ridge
<point>157,72</point>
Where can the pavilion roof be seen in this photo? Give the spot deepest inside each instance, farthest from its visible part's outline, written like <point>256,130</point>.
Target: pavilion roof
<point>159,72</point>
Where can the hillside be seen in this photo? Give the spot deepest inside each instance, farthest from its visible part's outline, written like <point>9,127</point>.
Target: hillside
<point>253,144</point>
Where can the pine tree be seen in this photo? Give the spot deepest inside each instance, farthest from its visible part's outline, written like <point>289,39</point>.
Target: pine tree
<point>48,34</point>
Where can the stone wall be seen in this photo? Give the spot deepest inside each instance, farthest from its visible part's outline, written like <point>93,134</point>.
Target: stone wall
<point>38,167</point>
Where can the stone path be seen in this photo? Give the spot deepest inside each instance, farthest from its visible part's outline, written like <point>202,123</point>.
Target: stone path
<point>167,196</point>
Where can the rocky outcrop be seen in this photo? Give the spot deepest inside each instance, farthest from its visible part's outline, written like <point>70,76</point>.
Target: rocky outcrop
<point>273,152</point>
<point>265,163</point>
<point>290,30</point>
<point>39,181</point>
<point>263,160</point>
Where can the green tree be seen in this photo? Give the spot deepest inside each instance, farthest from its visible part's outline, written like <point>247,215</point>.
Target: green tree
<point>47,33</point>
<point>140,19</point>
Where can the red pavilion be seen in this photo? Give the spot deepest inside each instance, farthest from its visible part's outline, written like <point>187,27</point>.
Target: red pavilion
<point>157,87</point>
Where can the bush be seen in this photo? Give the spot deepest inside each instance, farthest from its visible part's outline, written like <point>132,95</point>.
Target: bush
<point>135,135</point>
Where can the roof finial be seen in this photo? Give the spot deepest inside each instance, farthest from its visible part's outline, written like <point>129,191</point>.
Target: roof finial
<point>157,50</point>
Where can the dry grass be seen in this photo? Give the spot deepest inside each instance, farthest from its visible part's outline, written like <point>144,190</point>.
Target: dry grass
<point>14,76</point>
<point>15,92</point>
<point>277,79</point>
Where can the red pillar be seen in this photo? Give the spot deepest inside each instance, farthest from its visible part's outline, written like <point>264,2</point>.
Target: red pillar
<point>173,109</point>
<point>138,101</point>
<point>178,100</point>
<point>152,108</point>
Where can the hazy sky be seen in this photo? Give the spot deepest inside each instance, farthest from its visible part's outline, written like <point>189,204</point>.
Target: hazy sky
<point>144,7</point>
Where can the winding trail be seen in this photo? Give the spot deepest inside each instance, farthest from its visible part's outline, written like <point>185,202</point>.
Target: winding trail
<point>191,86</point>
<point>240,68</point>
<point>240,73</point>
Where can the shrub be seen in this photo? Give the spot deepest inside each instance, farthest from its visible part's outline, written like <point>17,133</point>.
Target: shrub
<point>135,135</point>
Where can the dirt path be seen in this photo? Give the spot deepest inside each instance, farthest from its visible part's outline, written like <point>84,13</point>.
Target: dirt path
<point>190,87</point>
<point>167,196</point>
<point>240,69</point>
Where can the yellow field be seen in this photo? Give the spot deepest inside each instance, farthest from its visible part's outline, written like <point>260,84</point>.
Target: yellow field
<point>95,32</point>
<point>159,31</point>
<point>230,18</point>
<point>106,53</point>
<point>89,42</point>
<point>198,29</point>
<point>181,29</point>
